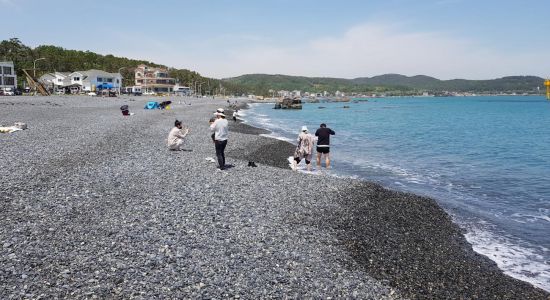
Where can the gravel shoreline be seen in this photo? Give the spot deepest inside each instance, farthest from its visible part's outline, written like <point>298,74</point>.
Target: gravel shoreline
<point>93,205</point>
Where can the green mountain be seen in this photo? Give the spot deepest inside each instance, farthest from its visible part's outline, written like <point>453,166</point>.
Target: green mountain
<point>389,83</point>
<point>260,84</point>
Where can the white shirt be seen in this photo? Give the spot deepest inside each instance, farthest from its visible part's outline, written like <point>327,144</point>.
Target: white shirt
<point>220,128</point>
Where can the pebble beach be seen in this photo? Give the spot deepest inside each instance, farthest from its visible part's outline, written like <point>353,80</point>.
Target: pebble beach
<point>93,205</point>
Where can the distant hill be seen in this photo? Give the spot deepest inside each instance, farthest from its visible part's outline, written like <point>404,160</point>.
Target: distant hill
<point>265,82</point>
<point>399,80</point>
<point>261,83</point>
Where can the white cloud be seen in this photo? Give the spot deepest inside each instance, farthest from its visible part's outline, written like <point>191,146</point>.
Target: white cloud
<point>373,49</point>
<point>6,2</point>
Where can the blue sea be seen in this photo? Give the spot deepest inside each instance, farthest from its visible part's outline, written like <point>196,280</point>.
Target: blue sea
<point>486,160</point>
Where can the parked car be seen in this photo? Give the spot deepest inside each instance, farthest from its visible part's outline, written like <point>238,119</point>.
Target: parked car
<point>8,91</point>
<point>18,92</point>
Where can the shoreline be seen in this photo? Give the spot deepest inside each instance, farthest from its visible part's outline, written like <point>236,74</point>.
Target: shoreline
<point>359,247</point>
<point>117,215</point>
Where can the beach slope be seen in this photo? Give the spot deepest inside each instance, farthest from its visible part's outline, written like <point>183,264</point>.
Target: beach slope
<point>92,204</point>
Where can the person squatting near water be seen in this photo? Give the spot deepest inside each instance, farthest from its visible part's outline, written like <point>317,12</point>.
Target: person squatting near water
<point>220,129</point>
<point>323,144</point>
<point>304,149</point>
<point>176,136</point>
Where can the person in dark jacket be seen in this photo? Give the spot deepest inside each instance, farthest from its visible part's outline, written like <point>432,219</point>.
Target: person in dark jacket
<point>323,144</point>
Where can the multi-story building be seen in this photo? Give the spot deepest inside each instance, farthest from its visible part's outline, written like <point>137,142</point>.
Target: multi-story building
<point>8,78</point>
<point>154,80</point>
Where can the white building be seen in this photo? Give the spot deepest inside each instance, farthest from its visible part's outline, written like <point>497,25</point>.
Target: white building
<point>55,81</point>
<point>296,93</point>
<point>8,78</point>
<point>90,80</point>
<point>339,94</point>
<point>182,90</point>
<point>283,93</point>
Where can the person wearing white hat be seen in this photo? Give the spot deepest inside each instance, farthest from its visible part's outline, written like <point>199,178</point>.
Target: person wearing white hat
<point>221,132</point>
<point>304,149</point>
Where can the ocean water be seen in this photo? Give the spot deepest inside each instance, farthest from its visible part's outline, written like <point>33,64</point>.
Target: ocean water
<point>486,160</point>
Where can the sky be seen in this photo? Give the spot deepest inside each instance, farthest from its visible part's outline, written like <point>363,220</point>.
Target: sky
<point>446,39</point>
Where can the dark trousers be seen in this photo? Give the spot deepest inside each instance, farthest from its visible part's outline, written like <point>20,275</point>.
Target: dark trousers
<point>220,148</point>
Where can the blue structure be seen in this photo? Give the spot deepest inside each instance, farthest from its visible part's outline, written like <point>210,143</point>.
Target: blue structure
<point>152,105</point>
<point>105,86</point>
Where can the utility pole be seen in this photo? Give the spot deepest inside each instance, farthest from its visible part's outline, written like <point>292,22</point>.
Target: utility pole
<point>34,66</point>
<point>120,83</point>
<point>145,79</point>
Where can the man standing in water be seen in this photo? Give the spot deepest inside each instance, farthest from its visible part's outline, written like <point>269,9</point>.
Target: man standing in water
<point>221,132</point>
<point>323,144</point>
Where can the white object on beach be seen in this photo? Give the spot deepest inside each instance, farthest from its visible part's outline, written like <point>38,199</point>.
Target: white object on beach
<point>20,125</point>
<point>210,159</point>
<point>9,129</point>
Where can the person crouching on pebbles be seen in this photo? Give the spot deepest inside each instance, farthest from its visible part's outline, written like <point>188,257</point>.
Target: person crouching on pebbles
<point>221,132</point>
<point>176,136</point>
<point>304,149</point>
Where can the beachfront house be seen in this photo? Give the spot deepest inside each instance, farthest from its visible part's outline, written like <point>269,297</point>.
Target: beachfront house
<point>182,90</point>
<point>283,93</point>
<point>88,81</point>
<point>55,81</point>
<point>8,78</point>
<point>339,94</point>
<point>154,80</point>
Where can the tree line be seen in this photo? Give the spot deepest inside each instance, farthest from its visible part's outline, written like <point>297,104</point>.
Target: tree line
<point>58,59</point>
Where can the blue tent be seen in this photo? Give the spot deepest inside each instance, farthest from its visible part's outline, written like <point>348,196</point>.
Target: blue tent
<point>152,105</point>
<point>105,86</point>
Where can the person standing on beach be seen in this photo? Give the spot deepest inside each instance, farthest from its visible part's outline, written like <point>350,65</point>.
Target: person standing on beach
<point>176,136</point>
<point>304,149</point>
<point>221,132</point>
<point>235,116</point>
<point>323,144</point>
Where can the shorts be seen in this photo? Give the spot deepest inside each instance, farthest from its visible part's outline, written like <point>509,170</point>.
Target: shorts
<point>324,150</point>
